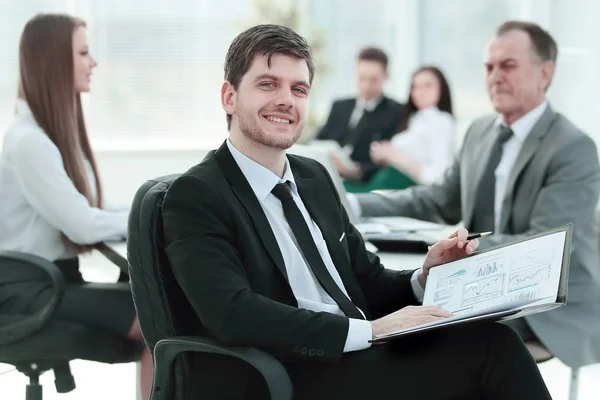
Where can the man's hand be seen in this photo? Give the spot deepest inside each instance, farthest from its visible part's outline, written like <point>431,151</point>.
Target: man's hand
<point>453,248</point>
<point>408,317</point>
<point>382,152</point>
<point>353,173</point>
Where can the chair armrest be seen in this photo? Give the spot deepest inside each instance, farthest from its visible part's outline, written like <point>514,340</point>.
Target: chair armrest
<point>165,351</point>
<point>30,324</point>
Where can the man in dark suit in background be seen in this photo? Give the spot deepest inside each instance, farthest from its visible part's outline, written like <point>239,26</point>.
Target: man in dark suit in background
<point>262,247</point>
<point>355,123</point>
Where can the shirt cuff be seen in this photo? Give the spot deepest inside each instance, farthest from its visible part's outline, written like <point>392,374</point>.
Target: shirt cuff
<point>416,286</point>
<point>354,205</point>
<point>359,334</point>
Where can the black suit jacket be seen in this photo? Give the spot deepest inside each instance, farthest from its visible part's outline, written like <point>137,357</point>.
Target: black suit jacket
<point>225,258</point>
<point>379,124</point>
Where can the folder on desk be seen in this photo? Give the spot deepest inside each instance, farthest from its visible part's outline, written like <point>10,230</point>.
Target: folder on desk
<point>503,282</point>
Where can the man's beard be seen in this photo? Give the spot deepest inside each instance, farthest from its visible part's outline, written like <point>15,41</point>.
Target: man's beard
<point>250,129</point>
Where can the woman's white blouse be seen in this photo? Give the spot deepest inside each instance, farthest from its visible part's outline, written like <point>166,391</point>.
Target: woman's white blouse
<point>38,200</point>
<point>429,140</point>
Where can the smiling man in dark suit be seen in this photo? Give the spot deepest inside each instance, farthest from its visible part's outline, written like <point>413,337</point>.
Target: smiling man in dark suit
<point>262,247</point>
<point>357,122</point>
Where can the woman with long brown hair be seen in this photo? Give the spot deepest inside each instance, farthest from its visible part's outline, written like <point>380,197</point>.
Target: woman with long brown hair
<point>51,201</point>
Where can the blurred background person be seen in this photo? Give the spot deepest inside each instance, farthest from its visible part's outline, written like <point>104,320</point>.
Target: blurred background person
<point>356,122</point>
<point>423,147</point>
<point>51,201</point>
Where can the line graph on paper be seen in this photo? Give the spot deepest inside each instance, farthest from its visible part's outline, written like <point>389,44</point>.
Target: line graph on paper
<point>482,290</point>
<point>528,278</point>
<point>532,259</point>
<point>443,294</point>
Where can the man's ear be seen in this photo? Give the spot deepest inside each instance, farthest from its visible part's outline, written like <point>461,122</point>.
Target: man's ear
<point>547,73</point>
<point>228,95</point>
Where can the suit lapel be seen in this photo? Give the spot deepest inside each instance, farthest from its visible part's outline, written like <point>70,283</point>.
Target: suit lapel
<point>477,168</point>
<point>530,146</point>
<point>241,188</point>
<point>311,192</point>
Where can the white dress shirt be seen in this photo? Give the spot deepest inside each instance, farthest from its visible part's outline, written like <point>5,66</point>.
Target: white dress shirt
<point>510,151</point>
<point>428,140</point>
<point>38,200</point>
<point>307,290</point>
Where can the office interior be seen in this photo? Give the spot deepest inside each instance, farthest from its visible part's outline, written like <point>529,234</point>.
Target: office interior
<point>154,106</point>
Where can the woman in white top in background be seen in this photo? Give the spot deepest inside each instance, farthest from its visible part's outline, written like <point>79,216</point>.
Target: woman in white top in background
<point>50,193</point>
<point>423,149</point>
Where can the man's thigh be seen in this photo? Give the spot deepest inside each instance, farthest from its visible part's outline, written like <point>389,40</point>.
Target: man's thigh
<point>444,364</point>
<point>522,328</point>
<point>476,361</point>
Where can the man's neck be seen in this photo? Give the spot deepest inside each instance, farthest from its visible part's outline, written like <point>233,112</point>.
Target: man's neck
<point>269,157</point>
<point>372,99</point>
<point>512,117</point>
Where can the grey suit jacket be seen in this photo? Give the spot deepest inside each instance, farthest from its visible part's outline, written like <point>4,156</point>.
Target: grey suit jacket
<point>555,180</point>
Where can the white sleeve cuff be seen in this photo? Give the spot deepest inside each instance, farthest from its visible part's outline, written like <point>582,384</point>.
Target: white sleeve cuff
<point>359,334</point>
<point>354,205</point>
<point>416,286</point>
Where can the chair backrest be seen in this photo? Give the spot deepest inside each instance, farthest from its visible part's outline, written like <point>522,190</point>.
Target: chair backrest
<point>162,307</point>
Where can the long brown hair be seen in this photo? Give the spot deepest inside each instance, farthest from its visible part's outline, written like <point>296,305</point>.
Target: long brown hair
<point>444,103</point>
<point>47,84</point>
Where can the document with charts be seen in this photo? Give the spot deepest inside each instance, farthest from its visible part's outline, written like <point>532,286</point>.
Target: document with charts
<point>509,281</point>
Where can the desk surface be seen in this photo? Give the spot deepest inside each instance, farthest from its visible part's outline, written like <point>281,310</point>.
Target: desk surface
<point>116,252</point>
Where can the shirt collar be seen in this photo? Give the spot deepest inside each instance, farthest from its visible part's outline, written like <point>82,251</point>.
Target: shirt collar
<point>522,127</point>
<point>261,179</point>
<point>369,105</point>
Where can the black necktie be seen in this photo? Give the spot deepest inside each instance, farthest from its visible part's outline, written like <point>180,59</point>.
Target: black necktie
<point>283,192</point>
<point>484,215</point>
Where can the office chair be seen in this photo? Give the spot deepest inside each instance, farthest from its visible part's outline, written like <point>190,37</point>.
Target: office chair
<point>166,317</point>
<point>37,343</point>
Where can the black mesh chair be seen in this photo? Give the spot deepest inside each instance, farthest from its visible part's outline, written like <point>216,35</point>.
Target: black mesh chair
<point>36,343</point>
<point>166,317</point>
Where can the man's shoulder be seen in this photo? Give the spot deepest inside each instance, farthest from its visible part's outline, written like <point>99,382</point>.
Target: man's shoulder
<point>563,126</point>
<point>344,102</point>
<point>391,103</point>
<point>305,166</point>
<point>483,123</point>
<point>205,175</point>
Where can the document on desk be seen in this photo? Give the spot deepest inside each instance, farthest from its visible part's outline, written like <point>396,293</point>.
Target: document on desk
<point>509,281</point>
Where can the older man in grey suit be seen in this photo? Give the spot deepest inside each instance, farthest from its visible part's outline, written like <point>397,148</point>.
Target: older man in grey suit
<point>520,172</point>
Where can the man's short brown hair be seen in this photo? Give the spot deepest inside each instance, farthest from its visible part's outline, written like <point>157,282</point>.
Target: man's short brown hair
<point>374,54</point>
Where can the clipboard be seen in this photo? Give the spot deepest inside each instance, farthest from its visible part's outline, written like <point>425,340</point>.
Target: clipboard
<point>512,310</point>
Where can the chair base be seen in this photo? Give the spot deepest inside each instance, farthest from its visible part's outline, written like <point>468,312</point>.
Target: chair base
<point>33,391</point>
<point>63,381</point>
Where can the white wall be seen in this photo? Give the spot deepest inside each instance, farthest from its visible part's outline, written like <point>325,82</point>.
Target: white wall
<point>122,172</point>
